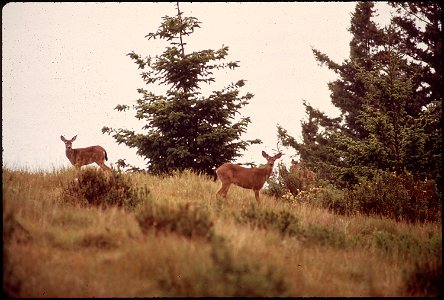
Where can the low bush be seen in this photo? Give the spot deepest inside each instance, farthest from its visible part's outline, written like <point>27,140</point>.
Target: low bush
<point>182,218</point>
<point>425,279</point>
<point>294,181</point>
<point>94,187</point>
<point>321,235</point>
<point>282,221</point>
<point>240,278</point>
<point>399,197</point>
<point>331,198</point>
<point>222,274</point>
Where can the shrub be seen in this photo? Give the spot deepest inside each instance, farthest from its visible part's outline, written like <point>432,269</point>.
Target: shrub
<point>275,184</point>
<point>282,221</point>
<point>425,279</point>
<point>182,218</point>
<point>331,198</point>
<point>425,199</point>
<point>94,187</point>
<point>399,197</point>
<point>226,275</point>
<point>240,278</point>
<point>299,178</point>
<point>100,241</point>
<point>295,180</point>
<point>323,236</point>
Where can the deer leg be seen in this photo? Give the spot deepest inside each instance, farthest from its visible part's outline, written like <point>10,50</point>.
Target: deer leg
<point>223,190</point>
<point>256,194</point>
<point>104,167</point>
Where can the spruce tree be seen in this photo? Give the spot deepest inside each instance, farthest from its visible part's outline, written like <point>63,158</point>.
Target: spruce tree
<point>389,100</point>
<point>184,129</point>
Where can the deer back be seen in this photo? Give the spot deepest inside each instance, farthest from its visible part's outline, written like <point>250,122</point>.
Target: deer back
<point>249,178</point>
<point>85,156</point>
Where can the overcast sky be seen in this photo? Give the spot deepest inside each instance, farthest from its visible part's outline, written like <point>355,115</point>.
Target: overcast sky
<point>64,69</point>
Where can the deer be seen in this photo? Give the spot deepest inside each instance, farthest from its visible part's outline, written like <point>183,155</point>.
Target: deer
<point>248,178</point>
<point>84,156</point>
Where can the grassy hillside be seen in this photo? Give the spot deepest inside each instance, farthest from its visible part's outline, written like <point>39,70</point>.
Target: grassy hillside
<point>177,239</point>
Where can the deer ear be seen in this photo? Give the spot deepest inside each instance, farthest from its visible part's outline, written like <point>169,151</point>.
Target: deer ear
<point>62,138</point>
<point>278,155</point>
<point>265,155</point>
<point>74,138</point>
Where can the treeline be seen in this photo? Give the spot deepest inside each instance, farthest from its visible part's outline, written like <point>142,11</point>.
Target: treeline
<point>389,129</point>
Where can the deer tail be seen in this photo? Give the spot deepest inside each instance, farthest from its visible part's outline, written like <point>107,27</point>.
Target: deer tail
<point>106,156</point>
<point>214,175</point>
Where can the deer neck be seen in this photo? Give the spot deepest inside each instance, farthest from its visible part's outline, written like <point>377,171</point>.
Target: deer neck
<point>267,169</point>
<point>70,154</point>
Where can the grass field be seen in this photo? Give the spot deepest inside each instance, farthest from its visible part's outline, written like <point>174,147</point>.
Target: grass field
<point>182,241</point>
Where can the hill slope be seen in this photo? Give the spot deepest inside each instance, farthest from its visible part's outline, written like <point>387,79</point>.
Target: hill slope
<point>182,241</point>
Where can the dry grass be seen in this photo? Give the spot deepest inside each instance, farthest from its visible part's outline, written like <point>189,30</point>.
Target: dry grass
<point>55,249</point>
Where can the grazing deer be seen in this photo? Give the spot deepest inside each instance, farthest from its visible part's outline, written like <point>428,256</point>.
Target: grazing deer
<point>248,178</point>
<point>85,156</point>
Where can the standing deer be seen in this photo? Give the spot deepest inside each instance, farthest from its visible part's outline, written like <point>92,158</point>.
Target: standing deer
<point>85,156</point>
<point>248,178</point>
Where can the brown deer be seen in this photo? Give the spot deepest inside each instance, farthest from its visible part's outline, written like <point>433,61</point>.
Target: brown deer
<point>248,178</point>
<point>85,156</point>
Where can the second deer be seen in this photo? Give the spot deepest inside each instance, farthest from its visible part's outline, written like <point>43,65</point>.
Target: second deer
<point>85,156</point>
<point>248,178</point>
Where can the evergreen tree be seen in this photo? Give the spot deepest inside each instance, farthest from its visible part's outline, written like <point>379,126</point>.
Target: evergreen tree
<point>348,92</point>
<point>185,130</point>
<point>421,34</point>
<point>389,101</point>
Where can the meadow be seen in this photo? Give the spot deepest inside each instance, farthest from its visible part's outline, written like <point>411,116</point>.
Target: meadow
<point>171,237</point>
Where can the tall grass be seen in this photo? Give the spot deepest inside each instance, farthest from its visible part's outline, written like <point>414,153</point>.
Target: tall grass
<point>177,239</point>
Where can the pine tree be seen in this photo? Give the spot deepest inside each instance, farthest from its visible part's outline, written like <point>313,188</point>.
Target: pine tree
<point>389,101</point>
<point>185,130</point>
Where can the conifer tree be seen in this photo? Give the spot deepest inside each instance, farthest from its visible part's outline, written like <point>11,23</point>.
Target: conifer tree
<point>184,129</point>
<point>389,98</point>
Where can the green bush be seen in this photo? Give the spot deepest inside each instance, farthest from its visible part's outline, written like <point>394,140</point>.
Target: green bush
<point>240,278</point>
<point>282,221</point>
<point>182,218</point>
<point>425,199</point>
<point>288,225</point>
<point>399,197</point>
<point>226,275</point>
<point>331,198</point>
<point>382,195</point>
<point>94,187</point>
<point>320,235</point>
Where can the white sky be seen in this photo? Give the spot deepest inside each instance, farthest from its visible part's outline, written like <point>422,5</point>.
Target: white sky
<point>64,69</point>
